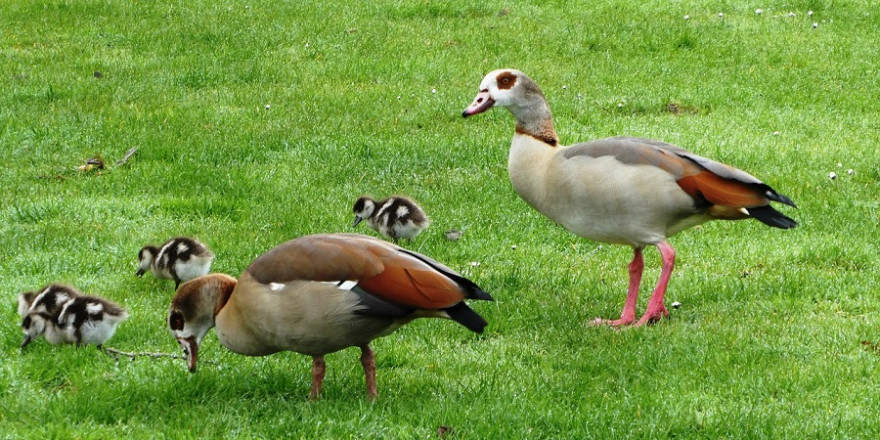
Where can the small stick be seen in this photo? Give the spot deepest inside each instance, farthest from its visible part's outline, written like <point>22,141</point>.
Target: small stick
<point>127,156</point>
<point>115,353</point>
<point>110,351</point>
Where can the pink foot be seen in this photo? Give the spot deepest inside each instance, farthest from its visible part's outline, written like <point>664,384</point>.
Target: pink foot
<point>613,322</point>
<point>652,317</point>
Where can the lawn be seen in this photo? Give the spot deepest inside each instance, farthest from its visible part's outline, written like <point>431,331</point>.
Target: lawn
<point>256,122</point>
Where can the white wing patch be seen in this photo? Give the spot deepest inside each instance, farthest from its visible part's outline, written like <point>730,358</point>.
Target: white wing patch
<point>276,286</point>
<point>402,211</point>
<point>342,285</point>
<point>62,317</point>
<point>94,308</point>
<point>38,300</point>
<point>347,285</point>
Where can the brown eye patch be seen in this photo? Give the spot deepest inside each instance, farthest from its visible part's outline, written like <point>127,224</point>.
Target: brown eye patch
<point>505,80</point>
<point>175,321</point>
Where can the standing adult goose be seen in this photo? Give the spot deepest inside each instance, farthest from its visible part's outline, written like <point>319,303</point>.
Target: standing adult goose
<point>319,294</point>
<point>621,190</point>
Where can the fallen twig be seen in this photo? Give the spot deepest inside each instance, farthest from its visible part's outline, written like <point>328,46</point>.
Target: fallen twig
<point>134,355</point>
<point>127,156</point>
<point>110,351</point>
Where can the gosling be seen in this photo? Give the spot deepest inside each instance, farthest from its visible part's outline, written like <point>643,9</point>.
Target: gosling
<point>180,259</point>
<point>395,217</point>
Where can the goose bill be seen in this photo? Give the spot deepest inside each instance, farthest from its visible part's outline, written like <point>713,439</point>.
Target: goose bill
<point>481,103</point>
<point>190,351</point>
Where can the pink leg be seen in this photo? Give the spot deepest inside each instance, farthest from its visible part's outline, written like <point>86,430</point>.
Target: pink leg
<point>628,316</point>
<point>656,310</point>
<point>368,360</point>
<point>318,369</point>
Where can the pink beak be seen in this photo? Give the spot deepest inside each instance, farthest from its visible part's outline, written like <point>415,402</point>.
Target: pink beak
<point>190,350</point>
<point>481,103</point>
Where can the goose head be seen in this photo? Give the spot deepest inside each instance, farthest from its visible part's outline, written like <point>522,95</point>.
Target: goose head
<point>33,326</point>
<point>363,209</point>
<point>193,309</point>
<point>146,256</point>
<point>515,91</point>
<point>508,88</point>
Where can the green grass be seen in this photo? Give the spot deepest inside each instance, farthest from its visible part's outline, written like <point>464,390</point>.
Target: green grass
<point>767,343</point>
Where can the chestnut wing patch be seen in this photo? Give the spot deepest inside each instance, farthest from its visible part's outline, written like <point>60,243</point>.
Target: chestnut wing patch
<point>413,287</point>
<point>720,191</point>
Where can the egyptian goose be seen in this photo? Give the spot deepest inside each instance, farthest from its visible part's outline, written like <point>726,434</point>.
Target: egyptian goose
<point>39,312</point>
<point>64,315</point>
<point>319,294</point>
<point>620,190</point>
<point>180,259</point>
<point>395,217</point>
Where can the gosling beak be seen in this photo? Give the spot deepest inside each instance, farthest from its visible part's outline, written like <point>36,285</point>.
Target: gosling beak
<point>27,340</point>
<point>356,221</point>
<point>140,272</point>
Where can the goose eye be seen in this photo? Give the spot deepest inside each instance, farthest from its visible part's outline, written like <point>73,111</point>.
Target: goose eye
<point>175,321</point>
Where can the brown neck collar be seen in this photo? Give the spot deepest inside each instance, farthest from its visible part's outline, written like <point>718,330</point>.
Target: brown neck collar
<point>548,137</point>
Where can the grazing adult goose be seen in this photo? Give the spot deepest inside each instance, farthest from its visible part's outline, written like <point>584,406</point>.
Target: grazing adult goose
<point>621,190</point>
<point>395,217</point>
<point>180,259</point>
<point>39,312</point>
<point>319,294</point>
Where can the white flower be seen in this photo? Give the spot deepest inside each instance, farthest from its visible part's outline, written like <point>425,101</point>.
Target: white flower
<point>832,175</point>
<point>759,11</point>
<point>687,17</point>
